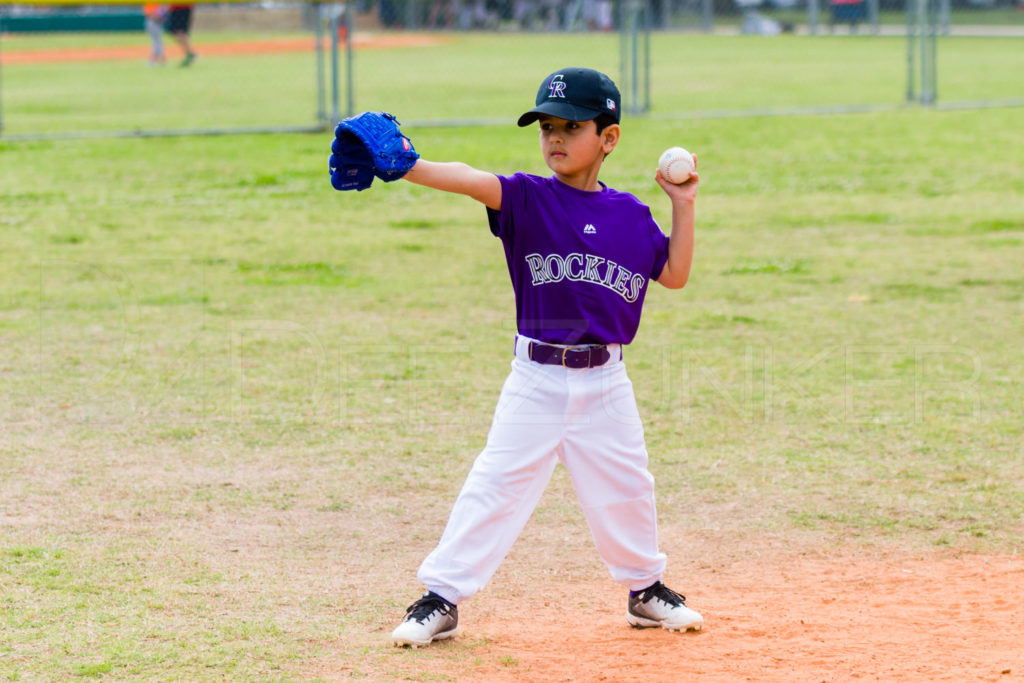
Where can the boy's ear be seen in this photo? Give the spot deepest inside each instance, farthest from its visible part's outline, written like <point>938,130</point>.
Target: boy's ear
<point>610,137</point>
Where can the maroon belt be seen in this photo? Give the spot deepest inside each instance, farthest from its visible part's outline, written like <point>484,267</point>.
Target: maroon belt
<point>575,357</point>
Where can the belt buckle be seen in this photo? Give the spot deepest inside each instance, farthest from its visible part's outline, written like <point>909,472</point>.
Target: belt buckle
<point>566,350</point>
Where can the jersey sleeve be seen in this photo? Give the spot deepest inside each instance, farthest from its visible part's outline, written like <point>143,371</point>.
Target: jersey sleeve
<point>513,202</point>
<point>659,242</point>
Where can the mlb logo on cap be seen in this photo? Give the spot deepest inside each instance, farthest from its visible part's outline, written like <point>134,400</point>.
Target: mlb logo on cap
<point>575,94</point>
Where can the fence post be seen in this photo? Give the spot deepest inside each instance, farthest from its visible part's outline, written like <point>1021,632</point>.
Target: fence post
<point>922,32</point>
<point>321,93</point>
<point>332,27</point>
<point>350,28</point>
<point>338,20</point>
<point>647,55</point>
<point>922,10</point>
<point>634,18</point>
<point>813,16</point>
<point>634,68</point>
<point>926,30</point>
<point>911,37</point>
<point>622,22</point>
<point>933,40</point>
<point>707,19</point>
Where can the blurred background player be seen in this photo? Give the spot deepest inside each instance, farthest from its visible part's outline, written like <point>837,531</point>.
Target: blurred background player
<point>179,25</point>
<point>155,14</point>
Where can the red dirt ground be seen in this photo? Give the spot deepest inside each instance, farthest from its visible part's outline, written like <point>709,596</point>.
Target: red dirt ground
<point>789,617</point>
<point>799,620</point>
<point>141,52</point>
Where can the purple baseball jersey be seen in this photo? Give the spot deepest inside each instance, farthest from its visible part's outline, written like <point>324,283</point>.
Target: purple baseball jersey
<point>580,261</point>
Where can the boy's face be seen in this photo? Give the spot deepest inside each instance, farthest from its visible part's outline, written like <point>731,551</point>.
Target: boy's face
<point>573,148</point>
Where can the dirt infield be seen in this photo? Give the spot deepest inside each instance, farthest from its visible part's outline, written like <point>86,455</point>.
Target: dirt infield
<point>141,52</point>
<point>772,614</point>
<point>796,619</point>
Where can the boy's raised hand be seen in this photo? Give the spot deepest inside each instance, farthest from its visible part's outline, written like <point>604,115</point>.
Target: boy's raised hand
<point>687,191</point>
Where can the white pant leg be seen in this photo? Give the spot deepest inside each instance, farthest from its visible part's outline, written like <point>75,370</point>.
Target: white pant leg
<point>606,456</point>
<point>156,35</point>
<point>504,485</point>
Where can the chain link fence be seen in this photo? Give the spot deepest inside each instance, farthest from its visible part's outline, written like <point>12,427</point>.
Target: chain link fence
<point>739,57</point>
<point>762,17</point>
<point>301,65</point>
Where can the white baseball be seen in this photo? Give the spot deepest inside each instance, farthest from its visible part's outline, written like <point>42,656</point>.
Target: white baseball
<point>676,165</point>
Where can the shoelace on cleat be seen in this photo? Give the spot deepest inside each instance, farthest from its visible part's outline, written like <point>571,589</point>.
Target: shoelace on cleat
<point>663,593</point>
<point>422,609</point>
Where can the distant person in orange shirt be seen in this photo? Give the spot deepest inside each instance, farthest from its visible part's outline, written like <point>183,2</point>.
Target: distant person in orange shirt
<point>179,24</point>
<point>155,15</point>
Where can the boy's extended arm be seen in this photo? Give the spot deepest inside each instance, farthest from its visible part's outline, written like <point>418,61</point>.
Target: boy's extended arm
<point>681,241</point>
<point>455,176</point>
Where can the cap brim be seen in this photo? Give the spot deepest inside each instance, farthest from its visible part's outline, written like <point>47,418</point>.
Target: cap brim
<point>562,110</point>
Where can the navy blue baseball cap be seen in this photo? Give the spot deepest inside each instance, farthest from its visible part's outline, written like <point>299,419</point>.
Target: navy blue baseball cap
<point>575,94</point>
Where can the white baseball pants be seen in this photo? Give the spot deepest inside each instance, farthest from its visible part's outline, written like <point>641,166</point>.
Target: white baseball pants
<point>586,419</point>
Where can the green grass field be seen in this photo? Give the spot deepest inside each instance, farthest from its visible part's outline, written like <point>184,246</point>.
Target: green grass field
<point>237,405</point>
<point>466,77</point>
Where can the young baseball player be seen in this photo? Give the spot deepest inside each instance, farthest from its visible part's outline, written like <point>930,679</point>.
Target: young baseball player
<point>580,256</point>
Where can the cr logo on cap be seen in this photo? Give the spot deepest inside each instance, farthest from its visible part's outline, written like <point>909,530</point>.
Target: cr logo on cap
<point>557,86</point>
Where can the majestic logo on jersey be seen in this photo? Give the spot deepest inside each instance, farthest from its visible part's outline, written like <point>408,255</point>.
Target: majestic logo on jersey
<point>589,229</point>
<point>577,267</point>
<point>557,86</point>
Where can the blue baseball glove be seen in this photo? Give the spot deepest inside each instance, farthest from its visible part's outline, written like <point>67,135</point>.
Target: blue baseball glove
<point>367,145</point>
